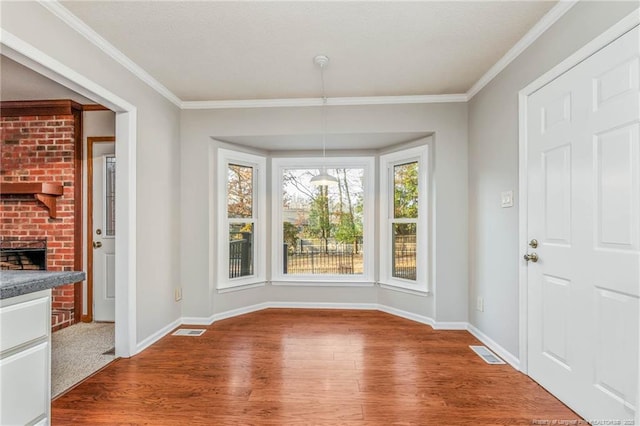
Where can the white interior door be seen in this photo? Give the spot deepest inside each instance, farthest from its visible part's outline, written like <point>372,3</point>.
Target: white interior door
<point>104,231</point>
<point>584,210</point>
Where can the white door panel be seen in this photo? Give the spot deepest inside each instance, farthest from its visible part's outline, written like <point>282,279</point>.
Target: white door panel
<point>615,321</point>
<point>583,174</point>
<point>556,171</point>
<point>617,188</point>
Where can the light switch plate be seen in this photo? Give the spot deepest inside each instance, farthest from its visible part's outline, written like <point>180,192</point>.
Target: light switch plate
<point>507,199</point>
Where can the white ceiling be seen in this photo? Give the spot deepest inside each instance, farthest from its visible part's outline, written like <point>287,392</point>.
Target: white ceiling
<point>240,50</point>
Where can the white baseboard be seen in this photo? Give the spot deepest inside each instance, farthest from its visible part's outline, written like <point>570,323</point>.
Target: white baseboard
<point>447,325</point>
<point>198,320</point>
<point>321,305</point>
<point>495,347</point>
<point>240,311</point>
<point>451,325</point>
<point>158,335</point>
<point>406,315</point>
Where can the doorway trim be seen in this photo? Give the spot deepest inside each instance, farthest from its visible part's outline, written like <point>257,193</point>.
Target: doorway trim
<point>126,134</point>
<point>626,24</point>
<point>90,141</point>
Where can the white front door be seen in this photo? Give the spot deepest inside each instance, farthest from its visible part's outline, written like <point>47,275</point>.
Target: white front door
<point>583,166</point>
<point>104,231</point>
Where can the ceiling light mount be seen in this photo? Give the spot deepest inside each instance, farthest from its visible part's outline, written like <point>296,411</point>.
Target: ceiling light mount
<point>321,60</point>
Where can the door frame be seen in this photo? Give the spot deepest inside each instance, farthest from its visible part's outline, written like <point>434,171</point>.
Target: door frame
<point>126,133</point>
<point>90,141</point>
<point>617,30</point>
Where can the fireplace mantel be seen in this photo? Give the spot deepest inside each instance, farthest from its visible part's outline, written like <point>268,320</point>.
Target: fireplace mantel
<point>46,193</point>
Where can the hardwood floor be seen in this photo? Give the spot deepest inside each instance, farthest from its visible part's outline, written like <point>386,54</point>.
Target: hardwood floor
<point>310,367</point>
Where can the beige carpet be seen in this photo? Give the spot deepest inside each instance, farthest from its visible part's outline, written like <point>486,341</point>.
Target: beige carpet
<point>77,352</point>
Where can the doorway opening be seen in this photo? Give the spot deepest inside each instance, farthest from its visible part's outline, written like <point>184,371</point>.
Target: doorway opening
<point>125,207</point>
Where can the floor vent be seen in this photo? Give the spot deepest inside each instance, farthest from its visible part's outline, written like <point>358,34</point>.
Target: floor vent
<point>488,356</point>
<point>194,332</point>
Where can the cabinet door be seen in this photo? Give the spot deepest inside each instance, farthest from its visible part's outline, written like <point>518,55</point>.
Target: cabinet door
<point>24,392</point>
<point>24,322</point>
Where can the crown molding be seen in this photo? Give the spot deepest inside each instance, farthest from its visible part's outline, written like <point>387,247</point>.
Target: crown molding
<point>87,32</point>
<point>310,102</point>
<point>531,36</point>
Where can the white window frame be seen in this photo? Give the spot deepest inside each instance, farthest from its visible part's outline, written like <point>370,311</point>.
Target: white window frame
<point>424,262</point>
<point>368,166</point>
<point>259,165</point>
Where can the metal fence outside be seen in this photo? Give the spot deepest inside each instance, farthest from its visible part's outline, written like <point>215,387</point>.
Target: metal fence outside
<point>404,257</point>
<point>313,261</point>
<point>240,261</point>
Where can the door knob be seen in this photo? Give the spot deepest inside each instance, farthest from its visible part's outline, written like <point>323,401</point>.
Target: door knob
<point>533,257</point>
<point>533,243</point>
<point>97,244</point>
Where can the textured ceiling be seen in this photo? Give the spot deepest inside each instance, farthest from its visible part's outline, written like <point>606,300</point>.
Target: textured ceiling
<point>238,50</point>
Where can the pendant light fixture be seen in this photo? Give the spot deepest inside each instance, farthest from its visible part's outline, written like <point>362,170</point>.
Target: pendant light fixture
<point>324,178</point>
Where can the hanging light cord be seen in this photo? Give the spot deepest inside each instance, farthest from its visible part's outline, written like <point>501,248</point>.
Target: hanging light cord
<point>324,112</point>
<point>323,179</point>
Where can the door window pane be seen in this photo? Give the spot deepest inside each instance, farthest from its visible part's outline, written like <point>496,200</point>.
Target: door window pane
<point>110,197</point>
<point>405,190</point>
<point>404,251</point>
<point>322,230</point>
<point>240,250</point>
<point>239,191</point>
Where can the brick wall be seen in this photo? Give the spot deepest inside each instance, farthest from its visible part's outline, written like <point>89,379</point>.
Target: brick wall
<point>41,149</point>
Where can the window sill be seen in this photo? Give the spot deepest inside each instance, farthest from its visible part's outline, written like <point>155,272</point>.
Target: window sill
<point>240,287</point>
<point>403,289</point>
<point>309,283</point>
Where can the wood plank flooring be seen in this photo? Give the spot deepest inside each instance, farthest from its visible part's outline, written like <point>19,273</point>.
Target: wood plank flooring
<point>310,367</point>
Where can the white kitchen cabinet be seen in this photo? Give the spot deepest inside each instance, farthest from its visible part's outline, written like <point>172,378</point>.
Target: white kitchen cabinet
<point>25,359</point>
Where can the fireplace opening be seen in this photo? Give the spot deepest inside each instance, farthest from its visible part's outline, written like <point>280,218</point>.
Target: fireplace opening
<point>19,254</point>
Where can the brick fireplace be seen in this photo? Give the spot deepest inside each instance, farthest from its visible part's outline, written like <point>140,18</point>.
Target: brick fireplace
<point>41,145</point>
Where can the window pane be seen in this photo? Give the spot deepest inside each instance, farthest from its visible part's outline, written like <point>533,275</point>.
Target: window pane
<point>323,226</point>
<point>404,251</point>
<point>239,191</point>
<point>405,190</point>
<point>110,197</point>
<point>240,250</point>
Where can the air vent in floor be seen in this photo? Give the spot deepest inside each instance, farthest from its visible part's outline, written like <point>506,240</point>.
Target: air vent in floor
<point>194,332</point>
<point>488,356</point>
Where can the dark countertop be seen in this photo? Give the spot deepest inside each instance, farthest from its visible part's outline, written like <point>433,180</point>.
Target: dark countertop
<point>17,283</point>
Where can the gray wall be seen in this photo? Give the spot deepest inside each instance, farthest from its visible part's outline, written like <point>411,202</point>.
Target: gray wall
<point>447,121</point>
<point>158,156</point>
<point>494,254</point>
